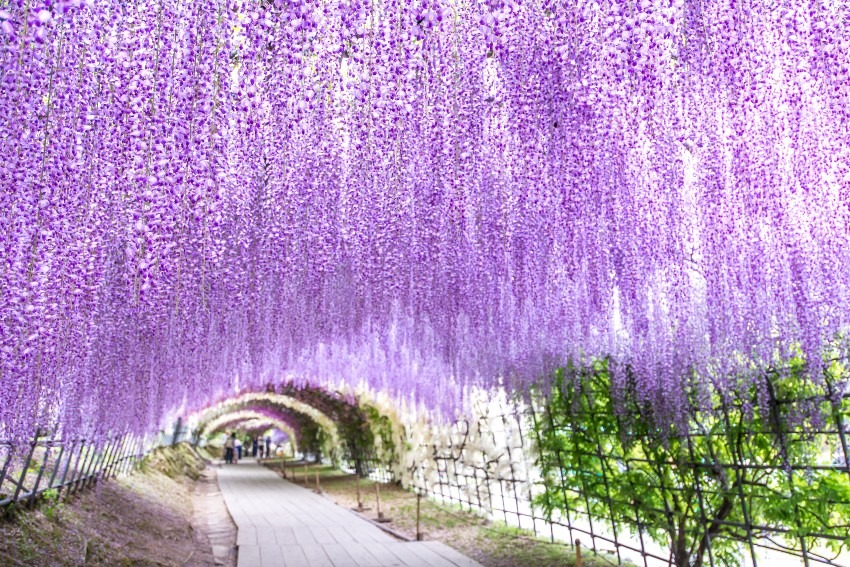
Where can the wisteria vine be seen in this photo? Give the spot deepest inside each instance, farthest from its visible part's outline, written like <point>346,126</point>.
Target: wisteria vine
<point>201,196</point>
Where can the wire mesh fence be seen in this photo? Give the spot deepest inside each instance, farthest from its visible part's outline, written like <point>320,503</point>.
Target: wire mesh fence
<point>750,478</point>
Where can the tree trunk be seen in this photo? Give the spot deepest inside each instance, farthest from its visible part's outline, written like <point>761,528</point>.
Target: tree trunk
<point>681,556</point>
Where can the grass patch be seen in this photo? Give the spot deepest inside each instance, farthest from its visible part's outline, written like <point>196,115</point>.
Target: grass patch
<point>492,544</point>
<point>175,462</point>
<point>512,546</point>
<point>137,520</point>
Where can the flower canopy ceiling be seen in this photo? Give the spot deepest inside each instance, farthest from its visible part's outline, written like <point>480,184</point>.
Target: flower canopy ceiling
<point>203,196</point>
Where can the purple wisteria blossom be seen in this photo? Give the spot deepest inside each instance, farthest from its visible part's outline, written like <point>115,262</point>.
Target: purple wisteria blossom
<point>204,196</point>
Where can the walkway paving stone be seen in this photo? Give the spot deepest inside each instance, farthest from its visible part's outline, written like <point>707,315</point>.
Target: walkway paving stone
<point>281,524</point>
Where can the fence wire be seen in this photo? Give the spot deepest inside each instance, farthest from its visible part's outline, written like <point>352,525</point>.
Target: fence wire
<point>746,482</point>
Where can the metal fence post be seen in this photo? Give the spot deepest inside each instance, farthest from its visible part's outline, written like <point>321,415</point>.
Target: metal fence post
<point>113,455</point>
<point>6,465</point>
<point>20,483</point>
<point>79,468</point>
<point>33,493</point>
<point>68,465</point>
<point>83,472</point>
<point>139,454</point>
<point>131,457</point>
<point>57,465</point>
<point>110,458</point>
<point>92,477</point>
<point>105,455</point>
<point>117,458</point>
<point>128,450</point>
<point>176,438</point>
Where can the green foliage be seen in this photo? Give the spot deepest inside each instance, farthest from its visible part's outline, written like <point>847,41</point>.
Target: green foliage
<point>357,437</point>
<point>175,461</point>
<point>382,430</point>
<point>313,438</point>
<point>747,461</point>
<point>143,464</point>
<point>51,505</point>
<point>355,433</point>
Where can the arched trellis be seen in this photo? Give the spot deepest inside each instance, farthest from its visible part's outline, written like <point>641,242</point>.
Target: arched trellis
<point>347,425</point>
<point>243,416</point>
<point>294,420</point>
<point>284,406</point>
<point>244,401</point>
<point>251,425</point>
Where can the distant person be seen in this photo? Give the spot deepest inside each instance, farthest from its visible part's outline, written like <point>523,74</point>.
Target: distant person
<point>268,446</point>
<point>228,448</point>
<point>254,447</point>
<point>261,449</point>
<point>238,445</point>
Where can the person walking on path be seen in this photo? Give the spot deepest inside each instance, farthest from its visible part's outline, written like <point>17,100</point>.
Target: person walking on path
<point>268,447</point>
<point>237,443</point>
<point>254,447</point>
<point>228,448</point>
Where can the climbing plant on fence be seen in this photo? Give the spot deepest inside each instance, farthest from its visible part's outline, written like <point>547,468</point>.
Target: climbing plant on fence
<point>313,439</point>
<point>357,441</point>
<point>764,466</point>
<point>383,436</point>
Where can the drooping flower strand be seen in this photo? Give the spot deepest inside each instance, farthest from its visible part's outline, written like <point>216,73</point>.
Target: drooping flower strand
<point>205,196</point>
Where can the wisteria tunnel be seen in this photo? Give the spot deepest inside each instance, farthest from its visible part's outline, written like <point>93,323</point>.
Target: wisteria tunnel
<point>576,268</point>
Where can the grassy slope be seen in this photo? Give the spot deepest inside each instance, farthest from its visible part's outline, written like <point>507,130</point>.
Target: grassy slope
<point>143,519</point>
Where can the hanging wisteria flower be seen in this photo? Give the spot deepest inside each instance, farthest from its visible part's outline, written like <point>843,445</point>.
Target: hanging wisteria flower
<point>419,195</point>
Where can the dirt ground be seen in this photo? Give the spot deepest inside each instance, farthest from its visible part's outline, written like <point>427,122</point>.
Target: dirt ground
<point>172,514</point>
<point>490,543</point>
<point>145,519</point>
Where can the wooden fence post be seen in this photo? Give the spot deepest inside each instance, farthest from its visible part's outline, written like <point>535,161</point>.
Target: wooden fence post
<point>381,517</point>
<point>578,553</point>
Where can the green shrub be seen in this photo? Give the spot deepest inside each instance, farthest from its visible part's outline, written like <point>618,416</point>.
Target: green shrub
<point>741,470</point>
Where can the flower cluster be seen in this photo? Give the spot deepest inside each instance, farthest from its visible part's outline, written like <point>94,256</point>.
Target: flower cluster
<point>204,196</point>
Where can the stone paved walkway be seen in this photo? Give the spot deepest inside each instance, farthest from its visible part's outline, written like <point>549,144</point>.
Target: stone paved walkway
<point>281,524</point>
